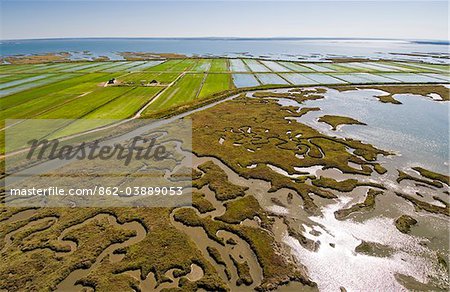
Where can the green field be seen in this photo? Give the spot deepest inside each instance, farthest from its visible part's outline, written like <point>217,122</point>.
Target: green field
<point>202,66</point>
<point>74,90</point>
<point>185,90</point>
<point>215,83</point>
<point>219,66</point>
<point>142,78</point>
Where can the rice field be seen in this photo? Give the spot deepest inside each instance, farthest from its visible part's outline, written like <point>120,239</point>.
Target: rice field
<point>270,79</point>
<point>220,66</point>
<point>318,68</point>
<point>202,66</point>
<point>185,90</point>
<point>146,65</point>
<point>143,78</point>
<point>237,65</point>
<point>275,66</point>
<point>35,83</point>
<point>421,66</point>
<point>77,89</point>
<point>376,78</point>
<point>22,80</point>
<point>245,80</point>
<point>296,67</point>
<point>125,67</point>
<point>256,66</point>
<point>445,78</point>
<point>165,66</point>
<point>324,78</point>
<point>296,78</point>
<point>353,78</point>
<point>411,78</point>
<point>215,83</point>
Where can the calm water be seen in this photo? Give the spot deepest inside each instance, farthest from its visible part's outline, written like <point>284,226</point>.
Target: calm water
<point>417,129</point>
<point>289,49</point>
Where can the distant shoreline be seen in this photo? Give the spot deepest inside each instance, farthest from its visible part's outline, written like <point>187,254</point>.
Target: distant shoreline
<point>433,42</point>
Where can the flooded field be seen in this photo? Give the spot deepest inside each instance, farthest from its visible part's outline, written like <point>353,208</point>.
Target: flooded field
<point>271,79</point>
<point>237,65</point>
<point>256,66</point>
<point>245,80</point>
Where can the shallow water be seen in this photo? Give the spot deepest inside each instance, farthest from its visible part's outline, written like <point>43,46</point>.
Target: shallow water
<point>411,78</point>
<point>36,83</point>
<point>237,65</point>
<point>21,81</point>
<point>245,80</point>
<point>271,79</point>
<point>256,66</point>
<point>296,78</point>
<point>324,78</point>
<point>340,266</point>
<point>417,129</point>
<point>275,66</point>
<point>286,49</point>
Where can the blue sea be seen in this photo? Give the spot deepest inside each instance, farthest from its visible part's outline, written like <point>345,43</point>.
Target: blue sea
<point>305,49</point>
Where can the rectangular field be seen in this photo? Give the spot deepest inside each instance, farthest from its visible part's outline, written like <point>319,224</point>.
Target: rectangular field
<point>317,68</point>
<point>185,90</point>
<point>219,66</point>
<point>163,66</point>
<point>297,79</point>
<point>245,80</point>
<point>296,67</point>
<point>270,78</point>
<point>275,66</point>
<point>85,104</point>
<point>33,84</point>
<point>143,78</point>
<point>354,78</point>
<point>412,78</point>
<point>237,65</point>
<point>256,66</point>
<point>323,78</point>
<point>215,83</point>
<point>22,80</point>
<point>146,65</point>
<point>125,67</point>
<point>76,89</point>
<point>29,103</point>
<point>202,66</point>
<point>184,65</point>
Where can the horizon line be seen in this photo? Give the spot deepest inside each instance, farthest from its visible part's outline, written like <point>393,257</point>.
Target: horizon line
<point>436,41</point>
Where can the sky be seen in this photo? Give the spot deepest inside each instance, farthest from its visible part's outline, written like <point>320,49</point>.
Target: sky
<point>365,19</point>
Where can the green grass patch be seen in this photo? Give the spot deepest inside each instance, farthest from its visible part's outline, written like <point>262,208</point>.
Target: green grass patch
<point>219,66</point>
<point>121,107</point>
<point>240,209</point>
<point>202,66</point>
<point>335,121</point>
<point>215,83</point>
<point>432,175</point>
<point>183,91</point>
<point>13,77</point>
<point>31,102</point>
<point>86,104</point>
<point>185,65</point>
<point>144,78</point>
<point>367,205</point>
<point>163,66</point>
